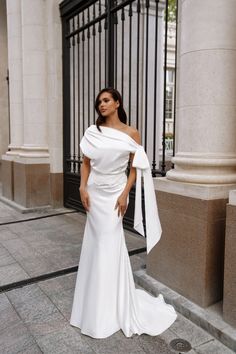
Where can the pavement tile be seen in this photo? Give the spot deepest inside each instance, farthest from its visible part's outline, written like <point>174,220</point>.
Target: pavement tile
<point>5,257</point>
<point>213,347</point>
<point>63,301</point>
<point>185,329</point>
<point>64,257</point>
<point>117,344</point>
<point>64,341</point>
<point>58,284</point>
<point>8,313</point>
<point>137,262</point>
<point>156,344</point>
<point>6,234</point>
<point>28,258</point>
<point>16,339</point>
<point>134,241</point>
<point>36,310</point>
<point>11,273</point>
<point>20,229</point>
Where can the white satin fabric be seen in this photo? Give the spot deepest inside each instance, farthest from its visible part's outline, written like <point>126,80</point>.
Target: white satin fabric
<point>105,297</point>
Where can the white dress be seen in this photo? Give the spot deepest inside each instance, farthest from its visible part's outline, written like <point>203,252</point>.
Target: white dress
<point>105,297</point>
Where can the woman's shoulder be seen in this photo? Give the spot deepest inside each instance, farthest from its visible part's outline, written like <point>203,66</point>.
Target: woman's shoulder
<point>133,133</point>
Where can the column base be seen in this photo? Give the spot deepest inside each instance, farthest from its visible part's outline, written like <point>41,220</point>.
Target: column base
<point>229,300</point>
<point>189,257</point>
<point>7,177</point>
<point>56,188</point>
<point>28,183</point>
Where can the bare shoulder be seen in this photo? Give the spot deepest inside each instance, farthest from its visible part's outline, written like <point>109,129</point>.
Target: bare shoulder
<point>134,133</point>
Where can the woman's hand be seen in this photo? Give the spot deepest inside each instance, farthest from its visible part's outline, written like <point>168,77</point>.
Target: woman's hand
<point>84,196</point>
<point>121,204</point>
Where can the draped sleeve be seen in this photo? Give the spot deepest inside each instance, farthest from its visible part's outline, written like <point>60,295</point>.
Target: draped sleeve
<point>153,225</point>
<point>86,144</point>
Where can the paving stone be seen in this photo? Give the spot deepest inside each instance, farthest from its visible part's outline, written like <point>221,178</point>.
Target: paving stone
<point>16,339</point>
<point>134,241</point>
<point>36,310</point>
<point>12,273</point>
<point>7,313</point>
<point>64,257</point>
<point>58,284</point>
<point>213,347</point>
<point>137,262</point>
<point>63,301</point>
<point>64,341</point>
<point>5,257</point>
<point>117,343</point>
<point>28,258</point>
<point>187,330</point>
<point>6,234</point>
<point>156,344</point>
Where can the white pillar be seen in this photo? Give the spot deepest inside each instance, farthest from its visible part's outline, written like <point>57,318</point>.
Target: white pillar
<point>54,97</point>
<point>206,110</point>
<point>4,123</point>
<point>15,75</point>
<point>34,79</point>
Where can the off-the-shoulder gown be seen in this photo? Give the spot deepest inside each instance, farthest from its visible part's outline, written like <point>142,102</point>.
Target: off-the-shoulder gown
<point>105,298</point>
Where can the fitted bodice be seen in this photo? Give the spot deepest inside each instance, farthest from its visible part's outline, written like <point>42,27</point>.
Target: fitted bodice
<point>108,151</point>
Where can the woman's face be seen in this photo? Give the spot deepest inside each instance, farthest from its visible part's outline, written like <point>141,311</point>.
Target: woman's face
<point>107,105</point>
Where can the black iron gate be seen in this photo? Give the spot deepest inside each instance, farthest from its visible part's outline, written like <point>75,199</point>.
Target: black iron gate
<point>117,44</point>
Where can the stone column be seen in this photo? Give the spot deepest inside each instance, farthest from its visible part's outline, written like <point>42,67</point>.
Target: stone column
<point>30,169</point>
<point>14,41</point>
<point>14,33</point>
<point>193,197</point>
<point>206,125</point>
<point>54,97</point>
<point>34,78</point>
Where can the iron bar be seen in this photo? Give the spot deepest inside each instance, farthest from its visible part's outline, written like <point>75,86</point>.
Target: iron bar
<point>114,9</point>
<point>87,25</point>
<point>115,47</point>
<point>137,72</point>
<point>155,90</point>
<point>130,58</point>
<point>100,45</point>
<point>175,77</point>
<point>73,95</point>
<point>83,78</point>
<point>163,165</point>
<point>94,56</point>
<point>66,94</point>
<point>78,44</point>
<point>106,61</point>
<point>122,51</point>
<point>146,73</point>
<point>88,54</point>
<point>9,117</point>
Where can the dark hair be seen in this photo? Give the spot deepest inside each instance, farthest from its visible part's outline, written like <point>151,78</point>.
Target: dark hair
<point>117,97</point>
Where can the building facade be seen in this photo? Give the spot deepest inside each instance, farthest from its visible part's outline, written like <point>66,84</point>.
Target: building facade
<point>198,222</point>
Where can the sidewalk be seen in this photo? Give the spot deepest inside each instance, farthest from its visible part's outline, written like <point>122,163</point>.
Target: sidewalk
<point>35,317</point>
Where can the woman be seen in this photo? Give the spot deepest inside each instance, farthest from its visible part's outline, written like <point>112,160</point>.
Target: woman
<point>105,298</point>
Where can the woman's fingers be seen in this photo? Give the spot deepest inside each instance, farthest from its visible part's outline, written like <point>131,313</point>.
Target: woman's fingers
<point>86,203</point>
<point>121,210</point>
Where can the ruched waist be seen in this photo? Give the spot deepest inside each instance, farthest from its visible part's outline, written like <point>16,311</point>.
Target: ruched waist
<point>106,179</point>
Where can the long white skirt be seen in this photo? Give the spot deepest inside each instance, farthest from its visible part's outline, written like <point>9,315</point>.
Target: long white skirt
<point>105,297</point>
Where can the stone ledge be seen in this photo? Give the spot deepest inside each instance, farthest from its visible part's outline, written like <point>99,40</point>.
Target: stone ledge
<point>210,319</point>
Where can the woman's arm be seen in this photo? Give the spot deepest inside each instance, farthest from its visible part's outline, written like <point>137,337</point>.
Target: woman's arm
<point>84,175</point>
<point>121,203</point>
